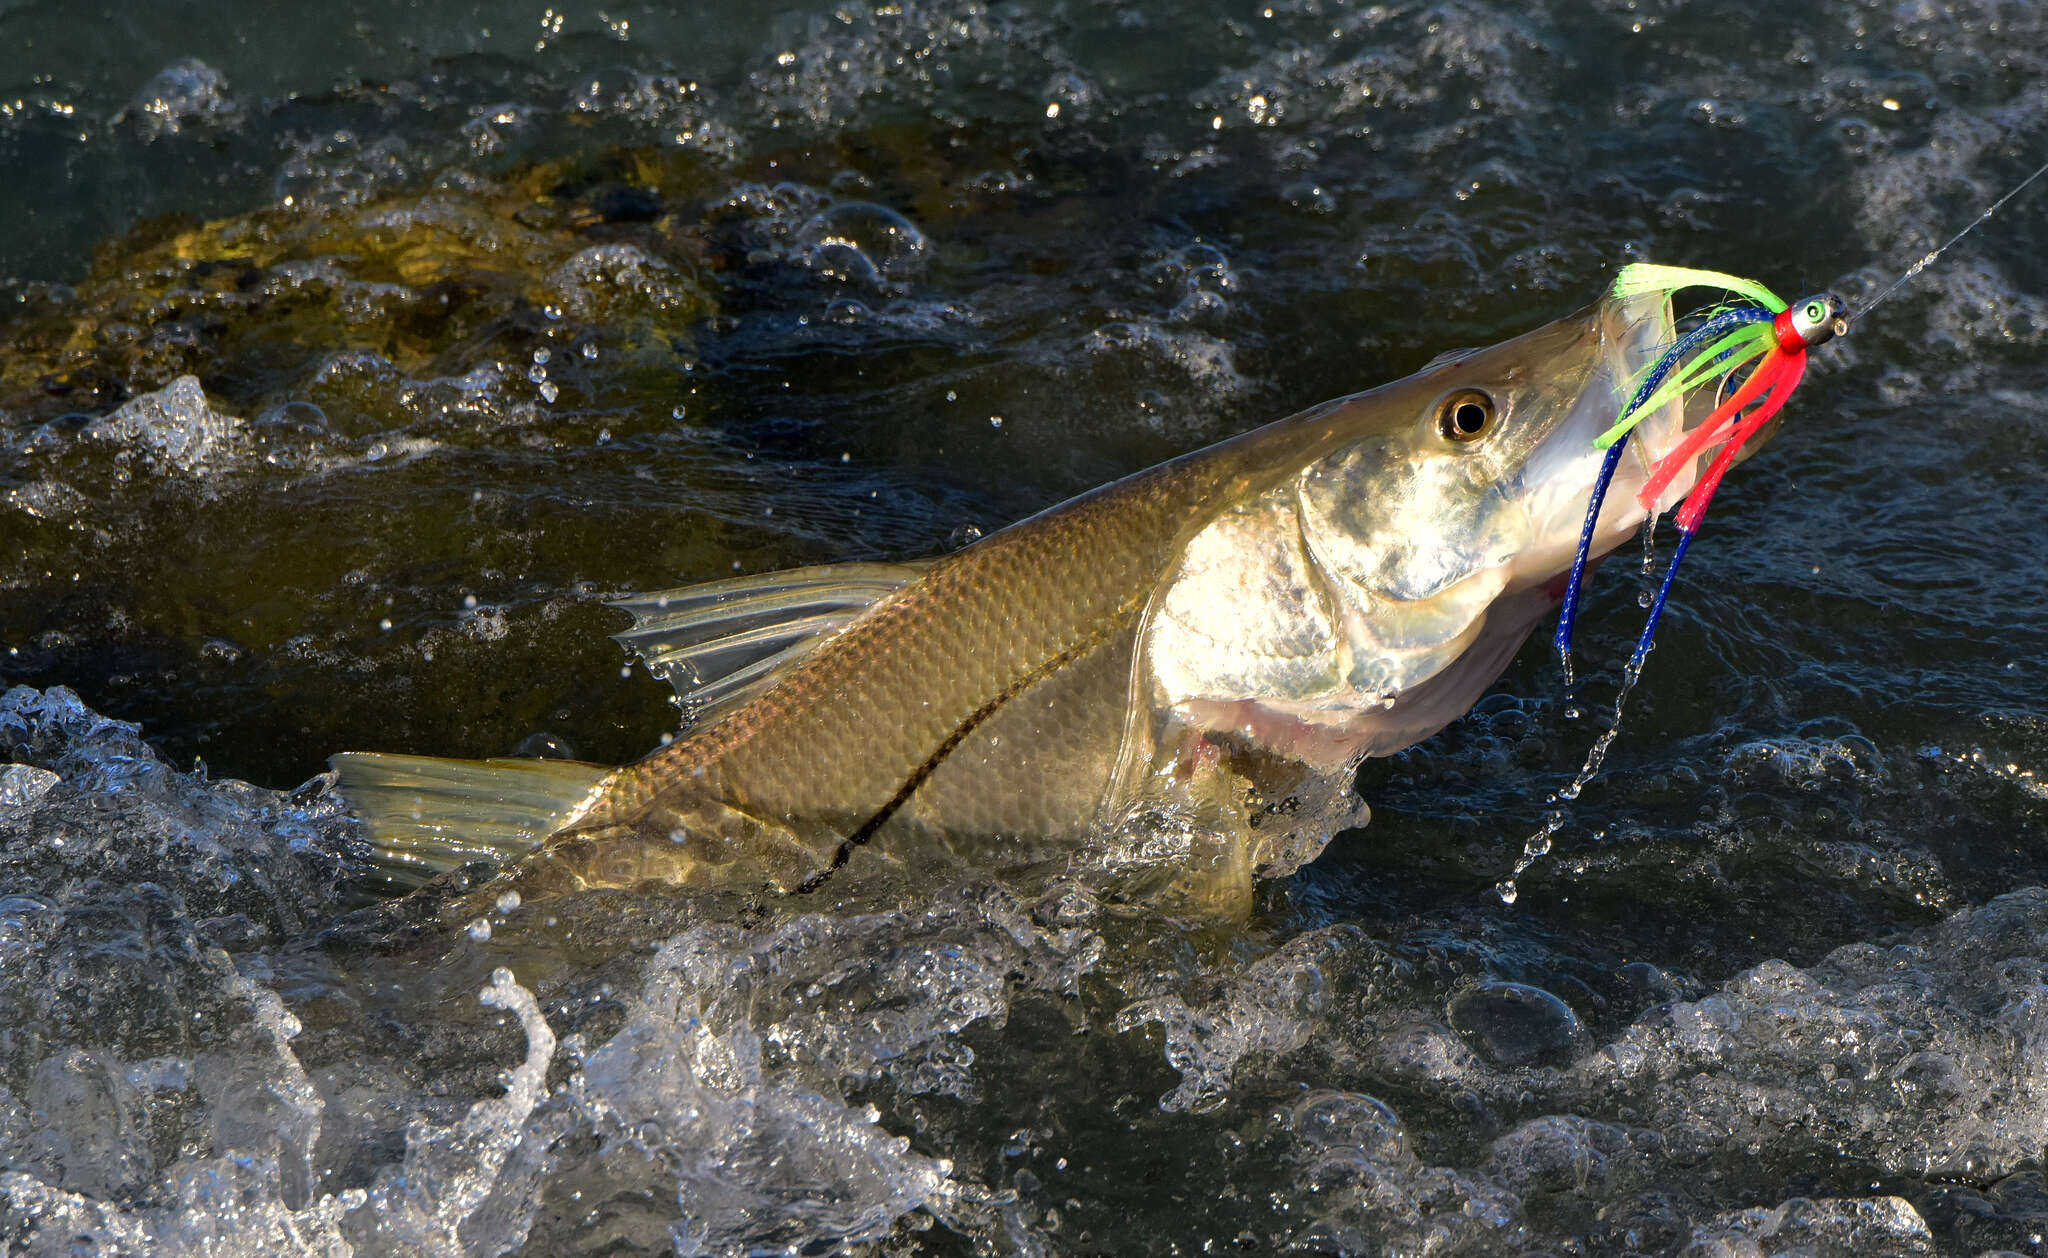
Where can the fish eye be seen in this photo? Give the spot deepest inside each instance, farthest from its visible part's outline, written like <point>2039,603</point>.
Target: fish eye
<point>1815,311</point>
<point>1465,415</point>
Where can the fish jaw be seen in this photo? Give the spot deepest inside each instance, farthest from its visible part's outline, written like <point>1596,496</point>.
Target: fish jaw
<point>1559,475</point>
<point>1634,332</point>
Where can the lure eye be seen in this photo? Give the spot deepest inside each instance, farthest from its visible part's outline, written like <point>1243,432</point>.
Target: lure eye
<point>1466,415</point>
<point>1814,321</point>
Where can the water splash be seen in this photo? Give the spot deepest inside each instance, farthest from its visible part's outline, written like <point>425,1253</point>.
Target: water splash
<point>1538,844</point>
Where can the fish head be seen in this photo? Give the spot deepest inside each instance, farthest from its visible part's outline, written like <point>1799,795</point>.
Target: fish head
<point>1478,471</point>
<point>1433,522</point>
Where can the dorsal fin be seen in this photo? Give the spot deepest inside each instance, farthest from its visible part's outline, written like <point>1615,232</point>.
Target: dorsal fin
<point>723,642</point>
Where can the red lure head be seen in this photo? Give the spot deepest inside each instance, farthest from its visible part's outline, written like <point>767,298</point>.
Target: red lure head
<point>1809,322</point>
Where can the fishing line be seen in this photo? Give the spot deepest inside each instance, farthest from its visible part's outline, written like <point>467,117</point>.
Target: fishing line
<point>1756,330</point>
<point>1975,223</point>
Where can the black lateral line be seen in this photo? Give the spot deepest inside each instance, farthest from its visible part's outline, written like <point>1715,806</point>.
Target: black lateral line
<point>946,748</point>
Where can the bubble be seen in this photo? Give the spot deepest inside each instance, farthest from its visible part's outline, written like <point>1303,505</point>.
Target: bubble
<point>1351,1121</point>
<point>863,243</point>
<point>1517,1025</point>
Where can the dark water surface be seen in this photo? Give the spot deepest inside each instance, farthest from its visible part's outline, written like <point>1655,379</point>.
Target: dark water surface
<point>351,353</point>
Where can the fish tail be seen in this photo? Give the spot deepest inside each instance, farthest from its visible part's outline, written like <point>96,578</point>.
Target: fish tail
<point>427,816</point>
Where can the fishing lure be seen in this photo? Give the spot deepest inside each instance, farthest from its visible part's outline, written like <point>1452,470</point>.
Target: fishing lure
<point>1756,331</point>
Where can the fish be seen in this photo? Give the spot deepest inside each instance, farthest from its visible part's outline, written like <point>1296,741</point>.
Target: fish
<point>1166,683</point>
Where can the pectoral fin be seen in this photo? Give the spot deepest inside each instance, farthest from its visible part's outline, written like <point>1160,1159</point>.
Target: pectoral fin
<point>721,643</point>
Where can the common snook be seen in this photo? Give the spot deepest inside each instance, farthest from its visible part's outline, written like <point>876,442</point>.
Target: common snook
<point>1167,680</point>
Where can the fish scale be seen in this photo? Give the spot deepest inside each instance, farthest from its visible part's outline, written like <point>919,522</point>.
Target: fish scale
<point>976,610</point>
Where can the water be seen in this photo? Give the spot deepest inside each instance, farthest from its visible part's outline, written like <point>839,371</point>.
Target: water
<point>351,358</point>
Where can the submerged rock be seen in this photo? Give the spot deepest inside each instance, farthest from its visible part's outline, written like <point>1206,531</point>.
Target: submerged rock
<point>429,282</point>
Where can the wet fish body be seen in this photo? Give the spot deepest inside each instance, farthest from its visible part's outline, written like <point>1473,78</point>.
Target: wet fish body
<point>1202,651</point>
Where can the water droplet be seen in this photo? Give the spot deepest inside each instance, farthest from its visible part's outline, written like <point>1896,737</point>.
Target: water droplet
<point>1535,848</point>
<point>480,929</point>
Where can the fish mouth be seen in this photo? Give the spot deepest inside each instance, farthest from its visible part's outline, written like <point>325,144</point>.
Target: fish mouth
<point>1645,329</point>
<point>1628,335</point>
<point>1624,336</point>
